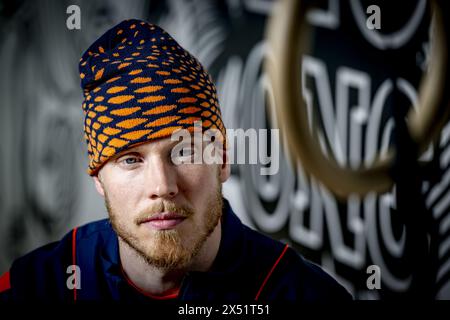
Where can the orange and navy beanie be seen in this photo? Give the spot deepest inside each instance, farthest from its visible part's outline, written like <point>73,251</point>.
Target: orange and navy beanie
<point>139,85</point>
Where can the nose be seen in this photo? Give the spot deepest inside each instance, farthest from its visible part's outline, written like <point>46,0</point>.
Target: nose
<point>161,180</point>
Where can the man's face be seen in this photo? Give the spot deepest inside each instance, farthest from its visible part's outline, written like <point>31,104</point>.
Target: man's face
<point>163,211</point>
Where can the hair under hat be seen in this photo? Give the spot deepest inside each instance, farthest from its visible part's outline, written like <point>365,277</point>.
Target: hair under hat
<point>139,85</point>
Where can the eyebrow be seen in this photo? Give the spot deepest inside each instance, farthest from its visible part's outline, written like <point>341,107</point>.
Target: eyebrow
<point>137,149</point>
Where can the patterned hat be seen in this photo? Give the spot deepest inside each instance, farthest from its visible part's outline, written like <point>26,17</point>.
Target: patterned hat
<point>139,85</point>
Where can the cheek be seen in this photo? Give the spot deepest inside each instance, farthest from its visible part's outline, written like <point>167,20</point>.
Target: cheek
<point>200,188</point>
<point>198,181</point>
<point>120,196</point>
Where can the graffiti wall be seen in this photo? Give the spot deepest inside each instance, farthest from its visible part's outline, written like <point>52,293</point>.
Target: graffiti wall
<point>353,78</point>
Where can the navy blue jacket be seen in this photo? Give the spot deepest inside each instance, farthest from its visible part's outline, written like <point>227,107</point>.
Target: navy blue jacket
<point>249,266</point>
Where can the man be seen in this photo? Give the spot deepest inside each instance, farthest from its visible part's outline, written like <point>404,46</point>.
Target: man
<point>170,234</point>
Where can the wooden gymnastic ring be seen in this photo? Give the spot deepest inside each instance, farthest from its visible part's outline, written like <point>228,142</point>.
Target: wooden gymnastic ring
<point>287,38</point>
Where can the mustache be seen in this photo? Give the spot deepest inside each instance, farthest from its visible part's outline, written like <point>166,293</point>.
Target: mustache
<point>164,206</point>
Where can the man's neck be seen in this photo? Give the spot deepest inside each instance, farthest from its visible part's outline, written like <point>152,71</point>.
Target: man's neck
<point>155,280</point>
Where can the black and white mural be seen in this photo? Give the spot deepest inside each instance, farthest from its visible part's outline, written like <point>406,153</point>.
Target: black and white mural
<point>353,78</point>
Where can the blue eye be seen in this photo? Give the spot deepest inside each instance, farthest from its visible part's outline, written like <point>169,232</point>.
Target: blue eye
<point>130,160</point>
<point>182,154</point>
<point>185,152</point>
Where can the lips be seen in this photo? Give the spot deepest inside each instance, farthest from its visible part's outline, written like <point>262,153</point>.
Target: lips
<point>164,220</point>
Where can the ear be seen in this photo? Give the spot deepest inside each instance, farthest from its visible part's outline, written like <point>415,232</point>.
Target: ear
<point>225,168</point>
<point>98,185</point>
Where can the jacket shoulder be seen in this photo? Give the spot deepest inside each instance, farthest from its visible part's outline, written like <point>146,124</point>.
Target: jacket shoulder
<point>43,271</point>
<point>58,249</point>
<point>291,277</point>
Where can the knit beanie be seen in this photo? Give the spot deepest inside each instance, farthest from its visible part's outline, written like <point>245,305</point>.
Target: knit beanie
<point>139,85</point>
